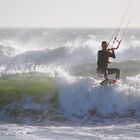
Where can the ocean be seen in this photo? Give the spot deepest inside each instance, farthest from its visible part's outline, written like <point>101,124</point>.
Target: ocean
<point>49,88</point>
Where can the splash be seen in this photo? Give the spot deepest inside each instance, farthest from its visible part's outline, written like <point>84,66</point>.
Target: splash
<point>65,97</point>
<point>85,96</point>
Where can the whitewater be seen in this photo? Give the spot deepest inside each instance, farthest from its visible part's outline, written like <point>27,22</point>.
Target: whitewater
<point>49,88</point>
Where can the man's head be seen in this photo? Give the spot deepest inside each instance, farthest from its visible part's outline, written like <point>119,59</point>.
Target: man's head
<point>104,45</point>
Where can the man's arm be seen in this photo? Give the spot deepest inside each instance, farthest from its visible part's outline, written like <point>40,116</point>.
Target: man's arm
<point>98,56</point>
<point>112,54</point>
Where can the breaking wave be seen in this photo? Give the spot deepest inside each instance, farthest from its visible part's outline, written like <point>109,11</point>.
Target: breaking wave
<point>51,75</point>
<point>63,56</point>
<point>64,97</point>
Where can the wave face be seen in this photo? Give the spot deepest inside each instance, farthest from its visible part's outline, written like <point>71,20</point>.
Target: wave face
<point>86,98</point>
<point>63,97</point>
<point>50,74</point>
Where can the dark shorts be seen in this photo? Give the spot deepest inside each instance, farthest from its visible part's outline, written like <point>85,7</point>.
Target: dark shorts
<point>108,71</point>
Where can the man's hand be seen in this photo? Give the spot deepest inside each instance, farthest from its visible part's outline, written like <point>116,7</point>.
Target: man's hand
<point>113,49</point>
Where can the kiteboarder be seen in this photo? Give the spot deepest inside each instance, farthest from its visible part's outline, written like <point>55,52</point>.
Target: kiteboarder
<point>103,61</point>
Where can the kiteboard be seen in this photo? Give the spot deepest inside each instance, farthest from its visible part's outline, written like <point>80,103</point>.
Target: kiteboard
<point>108,82</point>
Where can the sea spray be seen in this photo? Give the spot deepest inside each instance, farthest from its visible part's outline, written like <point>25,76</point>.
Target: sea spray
<point>85,96</point>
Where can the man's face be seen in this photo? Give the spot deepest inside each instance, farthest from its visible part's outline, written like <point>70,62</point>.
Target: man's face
<point>104,46</point>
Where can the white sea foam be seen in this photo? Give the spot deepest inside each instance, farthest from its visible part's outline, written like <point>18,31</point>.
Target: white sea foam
<point>83,96</point>
<point>73,52</point>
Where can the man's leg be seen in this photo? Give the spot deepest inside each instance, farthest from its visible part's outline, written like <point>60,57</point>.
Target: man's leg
<point>114,71</point>
<point>105,74</point>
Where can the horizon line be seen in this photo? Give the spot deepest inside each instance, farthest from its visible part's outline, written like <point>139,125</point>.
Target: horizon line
<point>68,27</point>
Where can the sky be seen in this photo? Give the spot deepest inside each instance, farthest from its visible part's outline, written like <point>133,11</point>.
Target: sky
<point>68,13</point>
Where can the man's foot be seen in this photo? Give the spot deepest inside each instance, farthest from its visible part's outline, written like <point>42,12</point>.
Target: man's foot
<point>112,81</point>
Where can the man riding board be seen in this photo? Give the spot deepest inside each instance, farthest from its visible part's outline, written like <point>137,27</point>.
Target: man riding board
<point>103,61</point>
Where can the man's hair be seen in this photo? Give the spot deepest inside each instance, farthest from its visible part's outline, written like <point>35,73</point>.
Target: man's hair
<point>104,42</point>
